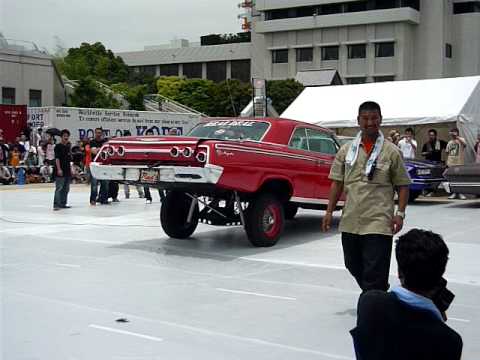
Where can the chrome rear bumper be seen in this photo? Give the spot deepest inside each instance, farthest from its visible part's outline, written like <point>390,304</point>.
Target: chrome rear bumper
<point>210,174</point>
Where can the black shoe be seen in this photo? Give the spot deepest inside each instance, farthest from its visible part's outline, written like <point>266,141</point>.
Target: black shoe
<point>66,207</point>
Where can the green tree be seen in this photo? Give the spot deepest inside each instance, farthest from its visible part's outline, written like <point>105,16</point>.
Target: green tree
<point>90,95</point>
<point>197,94</point>
<point>169,86</point>
<point>283,92</point>
<point>134,96</point>
<point>141,78</point>
<point>94,60</point>
<point>231,97</point>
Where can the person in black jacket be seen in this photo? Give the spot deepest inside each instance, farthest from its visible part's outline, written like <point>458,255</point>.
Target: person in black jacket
<point>408,322</point>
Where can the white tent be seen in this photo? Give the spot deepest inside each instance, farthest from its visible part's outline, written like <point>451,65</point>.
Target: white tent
<point>437,103</point>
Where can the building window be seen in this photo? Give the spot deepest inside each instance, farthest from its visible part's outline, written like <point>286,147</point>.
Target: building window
<point>329,53</point>
<point>386,49</point>
<point>192,70</point>
<point>341,8</point>
<point>357,51</point>
<point>149,70</point>
<point>306,11</point>
<point>276,14</point>
<point>385,4</point>
<point>466,7</point>
<point>415,4</point>
<point>356,6</point>
<point>448,50</point>
<point>8,95</point>
<point>305,55</point>
<point>356,80</point>
<point>169,70</point>
<point>35,98</point>
<point>280,56</point>
<point>241,70</point>
<point>384,78</point>
<point>330,9</point>
<point>217,71</point>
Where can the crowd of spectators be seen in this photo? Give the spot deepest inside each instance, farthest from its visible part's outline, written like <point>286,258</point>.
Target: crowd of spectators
<point>30,158</point>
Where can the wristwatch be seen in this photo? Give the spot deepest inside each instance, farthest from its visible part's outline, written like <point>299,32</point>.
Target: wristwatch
<point>400,213</point>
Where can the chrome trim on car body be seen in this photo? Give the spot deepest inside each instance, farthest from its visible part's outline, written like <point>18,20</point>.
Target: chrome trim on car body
<point>423,181</point>
<point>149,150</point>
<point>234,147</point>
<point>209,174</point>
<point>297,199</point>
<point>156,142</point>
<point>457,184</point>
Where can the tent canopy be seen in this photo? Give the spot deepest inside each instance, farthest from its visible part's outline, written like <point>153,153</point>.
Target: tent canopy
<point>411,102</point>
<point>438,102</point>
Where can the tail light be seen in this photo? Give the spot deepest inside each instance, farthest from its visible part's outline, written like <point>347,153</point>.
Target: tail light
<point>121,151</point>
<point>187,152</point>
<point>110,151</point>
<point>202,157</point>
<point>174,152</point>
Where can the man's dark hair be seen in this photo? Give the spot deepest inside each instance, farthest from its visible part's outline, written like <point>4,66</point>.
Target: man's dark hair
<point>127,133</point>
<point>64,131</point>
<point>409,129</point>
<point>149,132</point>
<point>455,130</point>
<point>99,128</point>
<point>369,106</point>
<point>433,131</point>
<point>422,258</point>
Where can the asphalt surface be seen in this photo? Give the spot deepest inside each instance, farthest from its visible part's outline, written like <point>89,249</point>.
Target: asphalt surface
<point>106,283</point>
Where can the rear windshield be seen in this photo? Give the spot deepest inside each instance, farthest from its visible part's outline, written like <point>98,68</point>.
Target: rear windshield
<point>231,130</point>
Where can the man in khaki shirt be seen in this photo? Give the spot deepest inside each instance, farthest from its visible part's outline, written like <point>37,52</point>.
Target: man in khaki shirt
<point>369,170</point>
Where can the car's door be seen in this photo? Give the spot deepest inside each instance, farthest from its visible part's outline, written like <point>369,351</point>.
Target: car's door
<point>304,166</point>
<point>323,146</point>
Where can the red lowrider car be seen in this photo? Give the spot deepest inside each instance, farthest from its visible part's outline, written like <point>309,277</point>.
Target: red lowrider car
<point>250,172</point>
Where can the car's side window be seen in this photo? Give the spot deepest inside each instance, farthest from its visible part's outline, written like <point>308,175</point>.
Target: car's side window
<point>299,139</point>
<point>321,142</point>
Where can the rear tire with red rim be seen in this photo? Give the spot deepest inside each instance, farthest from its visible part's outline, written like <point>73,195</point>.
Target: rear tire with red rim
<point>264,220</point>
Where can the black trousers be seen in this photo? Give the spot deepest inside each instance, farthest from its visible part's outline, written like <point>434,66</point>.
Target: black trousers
<point>367,258</point>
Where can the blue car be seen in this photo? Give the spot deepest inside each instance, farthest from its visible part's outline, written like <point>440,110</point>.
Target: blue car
<point>426,175</point>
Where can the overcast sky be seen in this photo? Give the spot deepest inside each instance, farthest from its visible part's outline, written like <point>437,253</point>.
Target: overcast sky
<point>122,25</point>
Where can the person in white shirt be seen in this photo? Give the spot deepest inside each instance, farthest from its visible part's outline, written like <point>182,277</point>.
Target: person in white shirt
<point>408,145</point>
<point>41,152</point>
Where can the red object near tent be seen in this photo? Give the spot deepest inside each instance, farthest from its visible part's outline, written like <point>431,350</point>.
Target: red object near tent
<point>13,120</point>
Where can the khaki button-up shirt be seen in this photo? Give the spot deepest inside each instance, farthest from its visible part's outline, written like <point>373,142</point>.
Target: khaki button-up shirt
<point>369,205</point>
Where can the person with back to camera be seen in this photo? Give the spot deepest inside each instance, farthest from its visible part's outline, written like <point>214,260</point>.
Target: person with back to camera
<point>370,169</point>
<point>95,145</point>
<point>408,323</point>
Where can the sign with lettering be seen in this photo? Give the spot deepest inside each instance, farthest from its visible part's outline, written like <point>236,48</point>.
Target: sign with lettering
<point>82,122</point>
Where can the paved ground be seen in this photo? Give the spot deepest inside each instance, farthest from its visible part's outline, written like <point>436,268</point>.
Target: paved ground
<point>68,276</point>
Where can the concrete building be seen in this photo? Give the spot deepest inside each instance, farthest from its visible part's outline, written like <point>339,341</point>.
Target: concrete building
<point>28,76</point>
<point>366,40</point>
<point>181,58</point>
